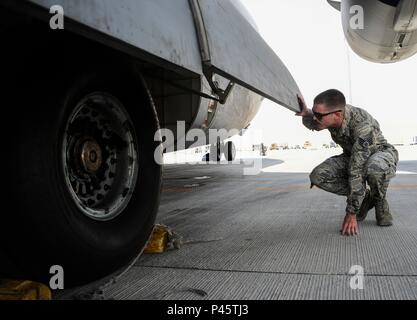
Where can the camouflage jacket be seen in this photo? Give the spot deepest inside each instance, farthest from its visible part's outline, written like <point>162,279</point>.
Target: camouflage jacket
<point>360,137</point>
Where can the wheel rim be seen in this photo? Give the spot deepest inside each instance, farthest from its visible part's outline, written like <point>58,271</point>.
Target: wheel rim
<point>100,157</point>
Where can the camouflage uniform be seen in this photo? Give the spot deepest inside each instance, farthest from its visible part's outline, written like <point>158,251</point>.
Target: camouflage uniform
<point>367,157</point>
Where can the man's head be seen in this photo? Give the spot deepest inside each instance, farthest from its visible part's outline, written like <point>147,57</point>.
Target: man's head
<point>328,109</point>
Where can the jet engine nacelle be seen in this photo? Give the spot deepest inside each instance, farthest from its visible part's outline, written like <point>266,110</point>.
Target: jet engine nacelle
<point>383,31</point>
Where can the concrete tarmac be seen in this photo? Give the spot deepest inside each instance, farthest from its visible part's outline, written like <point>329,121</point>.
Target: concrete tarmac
<point>269,236</point>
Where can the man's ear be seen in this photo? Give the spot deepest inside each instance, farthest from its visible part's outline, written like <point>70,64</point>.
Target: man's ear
<point>340,114</point>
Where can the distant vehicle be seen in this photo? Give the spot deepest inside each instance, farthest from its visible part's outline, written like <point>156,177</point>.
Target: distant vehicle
<point>274,146</point>
<point>307,145</point>
<point>297,146</point>
<point>325,146</point>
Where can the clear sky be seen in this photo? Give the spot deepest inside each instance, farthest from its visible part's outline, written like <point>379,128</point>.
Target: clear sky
<point>307,35</point>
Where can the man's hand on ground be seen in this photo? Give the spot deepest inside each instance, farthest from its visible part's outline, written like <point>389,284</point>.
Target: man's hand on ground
<point>350,225</point>
<point>303,107</point>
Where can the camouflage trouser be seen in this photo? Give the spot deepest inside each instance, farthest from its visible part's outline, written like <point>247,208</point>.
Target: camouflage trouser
<point>332,175</point>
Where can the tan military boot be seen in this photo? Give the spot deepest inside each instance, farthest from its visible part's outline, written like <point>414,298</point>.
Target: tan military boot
<point>382,213</point>
<point>367,204</point>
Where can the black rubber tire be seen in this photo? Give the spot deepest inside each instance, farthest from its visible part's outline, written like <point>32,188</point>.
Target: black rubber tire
<point>45,227</point>
<point>230,151</point>
<point>215,152</point>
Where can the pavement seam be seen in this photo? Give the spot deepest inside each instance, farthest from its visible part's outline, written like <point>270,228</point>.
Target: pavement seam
<point>278,272</point>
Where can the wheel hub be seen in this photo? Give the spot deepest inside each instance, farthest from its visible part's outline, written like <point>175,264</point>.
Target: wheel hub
<point>90,156</point>
<point>99,156</point>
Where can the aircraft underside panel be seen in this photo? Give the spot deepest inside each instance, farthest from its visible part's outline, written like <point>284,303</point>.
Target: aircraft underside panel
<point>238,52</point>
<point>167,30</point>
<point>162,28</point>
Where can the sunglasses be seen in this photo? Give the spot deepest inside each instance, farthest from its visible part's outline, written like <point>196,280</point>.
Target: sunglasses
<point>320,116</point>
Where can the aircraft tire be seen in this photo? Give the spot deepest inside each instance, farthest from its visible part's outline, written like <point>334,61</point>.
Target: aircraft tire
<point>85,185</point>
<point>230,153</point>
<point>215,152</point>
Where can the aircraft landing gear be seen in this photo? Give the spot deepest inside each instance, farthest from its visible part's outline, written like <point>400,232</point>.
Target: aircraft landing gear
<point>230,151</point>
<point>85,176</point>
<point>218,148</point>
<point>216,151</point>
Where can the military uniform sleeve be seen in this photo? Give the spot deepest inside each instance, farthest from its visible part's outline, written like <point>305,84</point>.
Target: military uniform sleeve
<point>308,122</point>
<point>364,141</point>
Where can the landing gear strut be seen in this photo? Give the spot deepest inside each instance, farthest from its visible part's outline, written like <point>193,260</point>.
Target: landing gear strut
<point>216,151</point>
<point>230,151</point>
<point>218,148</point>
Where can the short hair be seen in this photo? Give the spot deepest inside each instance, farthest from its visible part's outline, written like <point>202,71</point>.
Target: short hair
<point>332,98</point>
